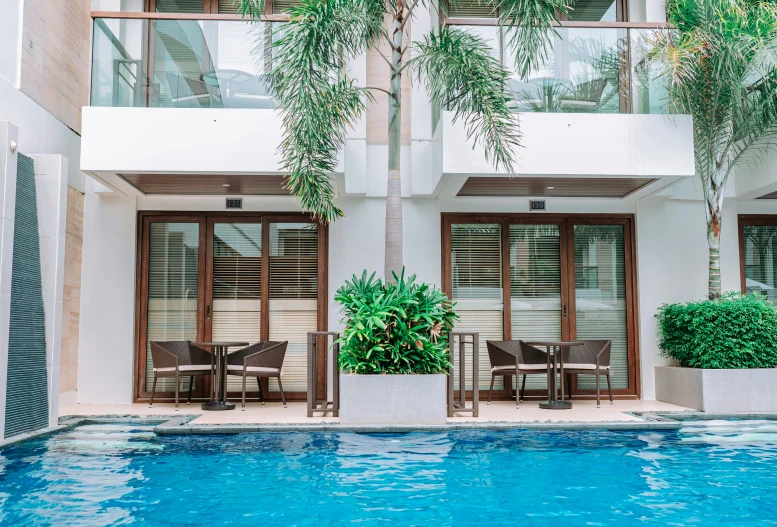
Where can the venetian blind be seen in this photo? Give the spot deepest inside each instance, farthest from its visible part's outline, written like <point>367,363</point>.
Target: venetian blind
<point>293,294</point>
<point>237,281</point>
<point>173,288</point>
<point>476,266</point>
<point>535,286</point>
<point>471,9</point>
<point>760,259</point>
<point>283,6</point>
<point>180,6</point>
<point>600,296</point>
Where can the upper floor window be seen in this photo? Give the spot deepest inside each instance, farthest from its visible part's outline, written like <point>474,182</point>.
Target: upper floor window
<point>581,10</point>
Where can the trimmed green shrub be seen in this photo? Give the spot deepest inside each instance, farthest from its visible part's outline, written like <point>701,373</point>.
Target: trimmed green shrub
<point>394,328</point>
<point>736,331</point>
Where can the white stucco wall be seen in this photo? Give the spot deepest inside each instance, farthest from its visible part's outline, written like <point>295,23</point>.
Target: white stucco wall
<point>39,131</point>
<point>106,342</point>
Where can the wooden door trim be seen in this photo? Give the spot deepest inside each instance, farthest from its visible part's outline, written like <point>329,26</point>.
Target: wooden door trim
<point>566,224</point>
<point>141,292</point>
<point>206,221</point>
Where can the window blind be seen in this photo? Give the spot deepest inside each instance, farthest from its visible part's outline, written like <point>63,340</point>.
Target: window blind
<point>172,290</point>
<point>471,9</point>
<point>180,6</point>
<point>280,7</point>
<point>237,283</point>
<point>476,265</point>
<point>293,294</point>
<point>600,296</point>
<point>535,286</point>
<point>761,259</point>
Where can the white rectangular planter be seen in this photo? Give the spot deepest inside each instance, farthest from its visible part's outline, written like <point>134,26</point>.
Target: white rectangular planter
<point>718,391</point>
<point>393,399</point>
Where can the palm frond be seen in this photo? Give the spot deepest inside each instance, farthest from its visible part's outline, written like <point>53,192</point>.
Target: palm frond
<point>529,26</point>
<point>460,73</point>
<point>250,9</point>
<point>317,101</point>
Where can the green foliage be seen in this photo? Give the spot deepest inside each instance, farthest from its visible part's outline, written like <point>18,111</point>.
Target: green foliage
<point>721,65</point>
<point>735,331</point>
<point>394,328</point>
<point>460,73</point>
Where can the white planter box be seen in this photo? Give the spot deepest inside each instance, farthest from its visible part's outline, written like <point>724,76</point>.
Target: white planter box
<point>718,391</point>
<point>393,399</point>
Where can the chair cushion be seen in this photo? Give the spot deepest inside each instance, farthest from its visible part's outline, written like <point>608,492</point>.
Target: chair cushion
<point>255,369</point>
<point>577,366</point>
<point>538,367</point>
<point>205,368</point>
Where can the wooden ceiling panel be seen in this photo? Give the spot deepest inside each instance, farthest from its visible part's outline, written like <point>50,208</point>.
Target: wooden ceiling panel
<point>553,187</point>
<point>208,184</point>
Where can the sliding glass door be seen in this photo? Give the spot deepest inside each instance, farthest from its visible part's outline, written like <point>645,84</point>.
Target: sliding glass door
<point>239,277</point>
<point>566,277</point>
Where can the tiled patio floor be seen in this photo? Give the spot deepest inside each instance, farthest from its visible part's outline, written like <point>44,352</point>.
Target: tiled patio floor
<point>275,413</point>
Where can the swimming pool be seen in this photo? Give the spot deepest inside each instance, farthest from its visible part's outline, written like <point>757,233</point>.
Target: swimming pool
<point>708,473</point>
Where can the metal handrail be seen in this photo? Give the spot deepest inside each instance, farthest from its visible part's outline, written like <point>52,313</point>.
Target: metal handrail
<point>183,16</point>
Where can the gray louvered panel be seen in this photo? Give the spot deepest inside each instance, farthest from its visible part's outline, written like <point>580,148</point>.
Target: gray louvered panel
<point>27,404</point>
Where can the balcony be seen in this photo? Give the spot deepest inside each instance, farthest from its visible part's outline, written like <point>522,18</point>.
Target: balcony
<point>594,108</point>
<point>164,93</point>
<point>163,63</point>
<point>598,69</point>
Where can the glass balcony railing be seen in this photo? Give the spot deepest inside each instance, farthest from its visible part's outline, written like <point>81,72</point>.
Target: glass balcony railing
<point>590,70</point>
<point>182,63</point>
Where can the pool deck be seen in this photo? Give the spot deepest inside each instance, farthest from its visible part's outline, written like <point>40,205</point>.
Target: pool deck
<point>501,414</point>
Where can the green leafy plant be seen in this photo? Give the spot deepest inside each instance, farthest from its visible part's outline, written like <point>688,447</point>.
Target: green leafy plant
<point>736,331</point>
<point>720,61</point>
<point>395,328</point>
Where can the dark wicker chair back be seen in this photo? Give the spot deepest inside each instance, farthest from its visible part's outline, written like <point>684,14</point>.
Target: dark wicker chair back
<point>186,353</point>
<point>587,353</point>
<point>503,352</point>
<point>263,359</point>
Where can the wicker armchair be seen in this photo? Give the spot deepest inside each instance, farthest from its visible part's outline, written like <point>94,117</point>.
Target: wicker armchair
<point>515,357</point>
<point>179,359</point>
<point>263,359</point>
<point>593,358</point>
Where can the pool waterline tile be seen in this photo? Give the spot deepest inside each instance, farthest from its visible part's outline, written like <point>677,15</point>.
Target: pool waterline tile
<point>296,414</point>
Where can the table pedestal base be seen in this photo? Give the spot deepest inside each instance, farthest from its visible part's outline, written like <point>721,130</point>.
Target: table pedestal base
<point>556,405</point>
<point>218,405</point>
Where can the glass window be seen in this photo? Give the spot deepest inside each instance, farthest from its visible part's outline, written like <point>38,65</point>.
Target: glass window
<point>594,11</point>
<point>600,296</point>
<point>476,264</point>
<point>760,259</point>
<point>173,263</point>
<point>293,294</point>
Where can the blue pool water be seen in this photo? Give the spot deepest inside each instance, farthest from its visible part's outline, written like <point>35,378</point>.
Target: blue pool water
<point>713,473</point>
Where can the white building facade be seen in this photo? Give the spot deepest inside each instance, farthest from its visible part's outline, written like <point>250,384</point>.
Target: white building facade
<point>180,122</point>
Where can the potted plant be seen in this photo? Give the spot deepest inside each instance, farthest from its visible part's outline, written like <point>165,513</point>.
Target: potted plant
<point>726,353</point>
<point>394,354</point>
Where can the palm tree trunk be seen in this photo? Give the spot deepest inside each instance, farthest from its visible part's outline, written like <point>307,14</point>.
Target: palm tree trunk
<point>393,256</point>
<point>714,210</point>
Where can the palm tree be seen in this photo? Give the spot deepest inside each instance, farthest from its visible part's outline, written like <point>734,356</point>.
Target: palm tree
<point>319,102</point>
<point>721,63</point>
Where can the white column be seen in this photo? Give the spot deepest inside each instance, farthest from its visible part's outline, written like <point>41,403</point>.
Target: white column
<point>51,175</point>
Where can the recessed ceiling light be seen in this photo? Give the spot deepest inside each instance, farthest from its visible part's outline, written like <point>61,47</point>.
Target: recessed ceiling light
<point>225,185</point>
<point>551,188</point>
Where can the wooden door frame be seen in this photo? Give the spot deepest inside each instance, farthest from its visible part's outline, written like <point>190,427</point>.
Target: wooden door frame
<point>747,220</point>
<point>206,220</point>
<point>566,224</point>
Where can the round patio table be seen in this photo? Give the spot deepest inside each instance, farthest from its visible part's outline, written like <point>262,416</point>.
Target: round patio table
<point>555,365</point>
<point>219,363</point>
